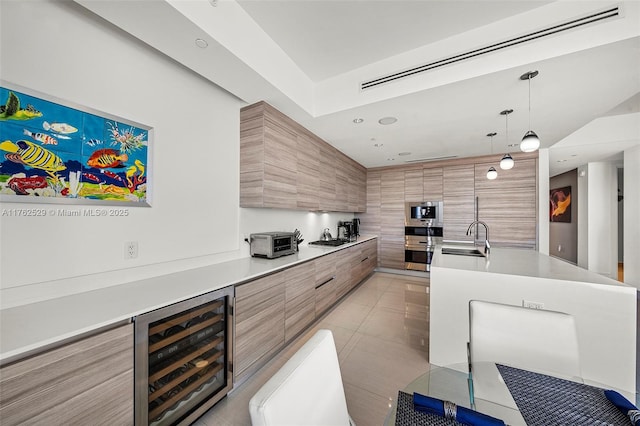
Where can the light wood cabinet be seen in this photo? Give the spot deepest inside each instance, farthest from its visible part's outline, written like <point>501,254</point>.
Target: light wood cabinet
<point>392,219</point>
<point>459,201</point>
<point>508,204</point>
<point>85,382</point>
<point>259,322</point>
<point>325,282</point>
<point>299,305</point>
<point>414,185</point>
<point>432,183</point>
<point>283,165</point>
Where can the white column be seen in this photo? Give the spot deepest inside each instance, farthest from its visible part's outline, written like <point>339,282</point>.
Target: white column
<point>631,254</point>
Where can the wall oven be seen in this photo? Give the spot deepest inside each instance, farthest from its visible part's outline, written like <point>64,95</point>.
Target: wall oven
<point>419,244</point>
<point>423,213</point>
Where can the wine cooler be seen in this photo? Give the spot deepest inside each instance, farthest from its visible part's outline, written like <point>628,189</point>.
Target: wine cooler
<point>182,359</point>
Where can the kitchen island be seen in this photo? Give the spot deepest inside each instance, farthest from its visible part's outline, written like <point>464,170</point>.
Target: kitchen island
<point>604,309</point>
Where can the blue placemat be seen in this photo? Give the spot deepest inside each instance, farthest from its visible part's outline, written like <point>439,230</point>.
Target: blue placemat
<point>406,415</point>
<point>544,400</point>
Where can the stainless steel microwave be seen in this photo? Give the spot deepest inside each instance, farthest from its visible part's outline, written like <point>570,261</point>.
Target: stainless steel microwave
<point>424,213</point>
<point>272,244</point>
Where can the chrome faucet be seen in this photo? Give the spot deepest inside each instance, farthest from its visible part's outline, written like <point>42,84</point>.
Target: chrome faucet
<point>487,246</point>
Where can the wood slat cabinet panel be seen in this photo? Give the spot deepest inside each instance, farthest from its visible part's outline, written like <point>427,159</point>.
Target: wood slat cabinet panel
<point>342,183</point>
<point>522,175</point>
<point>392,253</point>
<point>458,184</point>
<point>299,283</point>
<point>414,185</point>
<point>370,219</point>
<point>259,322</point>
<point>508,204</point>
<point>432,183</point>
<point>343,275</point>
<point>283,165</point>
<point>308,173</point>
<point>327,191</point>
<point>325,282</point>
<point>85,382</point>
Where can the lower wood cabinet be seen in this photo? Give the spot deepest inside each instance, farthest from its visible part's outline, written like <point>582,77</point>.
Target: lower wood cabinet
<point>300,295</point>
<point>259,323</point>
<point>326,281</point>
<point>273,310</point>
<point>85,382</point>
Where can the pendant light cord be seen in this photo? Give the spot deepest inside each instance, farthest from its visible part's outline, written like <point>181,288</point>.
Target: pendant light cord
<point>529,101</point>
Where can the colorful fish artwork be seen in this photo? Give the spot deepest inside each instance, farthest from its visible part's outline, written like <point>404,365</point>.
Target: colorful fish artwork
<point>11,110</point>
<point>41,137</point>
<point>55,149</point>
<point>107,159</point>
<point>32,155</point>
<point>62,128</point>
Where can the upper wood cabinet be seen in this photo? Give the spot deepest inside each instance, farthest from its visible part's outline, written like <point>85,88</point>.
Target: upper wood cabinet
<point>432,184</point>
<point>459,201</point>
<point>508,204</point>
<point>283,165</point>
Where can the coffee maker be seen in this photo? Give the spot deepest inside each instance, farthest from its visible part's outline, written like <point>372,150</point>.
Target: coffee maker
<point>349,230</point>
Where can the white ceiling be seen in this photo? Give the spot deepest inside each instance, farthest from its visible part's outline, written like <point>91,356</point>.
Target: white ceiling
<point>308,58</point>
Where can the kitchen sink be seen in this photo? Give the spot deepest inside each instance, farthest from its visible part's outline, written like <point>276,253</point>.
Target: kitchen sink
<point>462,251</point>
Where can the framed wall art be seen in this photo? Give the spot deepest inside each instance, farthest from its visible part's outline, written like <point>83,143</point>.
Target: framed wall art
<point>560,205</point>
<point>53,151</point>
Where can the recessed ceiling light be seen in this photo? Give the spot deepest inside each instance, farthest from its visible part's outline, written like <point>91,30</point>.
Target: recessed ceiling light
<point>561,161</point>
<point>358,120</point>
<point>387,120</point>
<point>404,153</point>
<point>378,145</point>
<point>201,43</point>
<point>390,159</point>
<point>511,145</point>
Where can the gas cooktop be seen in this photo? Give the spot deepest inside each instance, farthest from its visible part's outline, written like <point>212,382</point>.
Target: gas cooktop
<point>332,243</point>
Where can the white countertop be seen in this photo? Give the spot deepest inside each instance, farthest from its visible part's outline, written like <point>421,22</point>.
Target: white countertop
<point>523,262</point>
<point>29,328</point>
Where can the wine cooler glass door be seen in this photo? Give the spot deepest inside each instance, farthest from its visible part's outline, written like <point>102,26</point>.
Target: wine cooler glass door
<point>182,359</point>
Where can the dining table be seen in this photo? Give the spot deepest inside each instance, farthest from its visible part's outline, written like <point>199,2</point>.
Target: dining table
<point>513,395</point>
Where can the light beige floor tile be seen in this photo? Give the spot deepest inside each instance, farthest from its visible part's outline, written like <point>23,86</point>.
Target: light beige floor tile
<point>382,367</point>
<point>348,315</point>
<point>366,408</point>
<point>410,329</point>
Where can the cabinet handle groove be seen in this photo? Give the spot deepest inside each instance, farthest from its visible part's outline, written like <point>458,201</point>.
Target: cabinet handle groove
<point>330,279</point>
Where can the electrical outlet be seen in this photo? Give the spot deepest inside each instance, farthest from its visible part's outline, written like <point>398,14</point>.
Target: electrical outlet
<point>532,305</point>
<point>130,249</point>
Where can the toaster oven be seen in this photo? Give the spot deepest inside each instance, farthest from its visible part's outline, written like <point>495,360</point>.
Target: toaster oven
<point>272,244</point>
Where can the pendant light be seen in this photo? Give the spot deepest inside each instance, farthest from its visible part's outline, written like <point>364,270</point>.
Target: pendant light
<point>507,161</point>
<point>492,173</point>
<point>530,141</point>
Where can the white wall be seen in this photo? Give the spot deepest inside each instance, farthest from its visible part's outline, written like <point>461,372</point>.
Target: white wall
<point>62,50</point>
<point>598,218</point>
<point>631,216</point>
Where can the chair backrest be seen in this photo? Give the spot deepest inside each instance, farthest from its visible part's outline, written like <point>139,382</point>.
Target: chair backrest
<point>307,390</point>
<point>532,339</point>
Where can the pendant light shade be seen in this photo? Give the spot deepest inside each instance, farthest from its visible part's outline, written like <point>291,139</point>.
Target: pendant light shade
<point>492,173</point>
<point>530,141</point>
<point>507,162</point>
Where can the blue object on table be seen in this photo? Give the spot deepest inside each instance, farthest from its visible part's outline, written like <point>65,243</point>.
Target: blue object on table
<point>452,411</point>
<point>624,405</point>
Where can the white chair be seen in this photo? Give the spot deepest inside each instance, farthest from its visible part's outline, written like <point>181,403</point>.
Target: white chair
<point>532,339</point>
<point>307,390</point>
